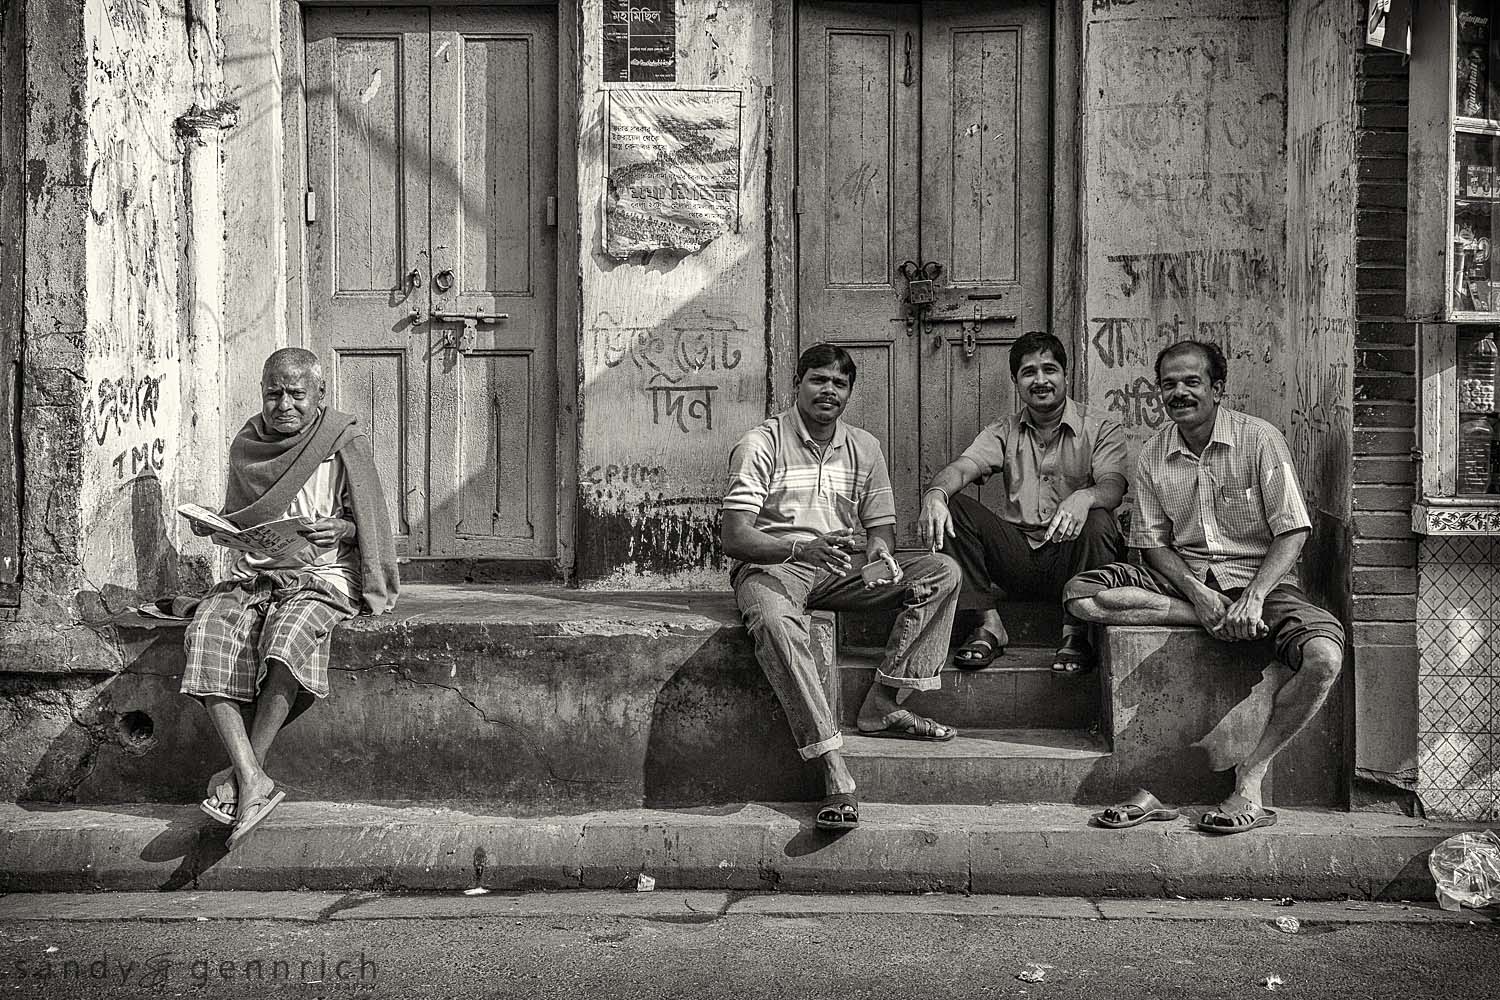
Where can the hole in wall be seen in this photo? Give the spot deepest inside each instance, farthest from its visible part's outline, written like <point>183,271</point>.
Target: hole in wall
<point>135,732</point>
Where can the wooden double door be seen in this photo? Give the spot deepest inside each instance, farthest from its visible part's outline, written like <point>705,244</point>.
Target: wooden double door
<point>432,262</point>
<point>924,135</point>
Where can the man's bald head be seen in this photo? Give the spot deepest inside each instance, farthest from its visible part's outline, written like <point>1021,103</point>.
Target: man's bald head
<point>293,361</point>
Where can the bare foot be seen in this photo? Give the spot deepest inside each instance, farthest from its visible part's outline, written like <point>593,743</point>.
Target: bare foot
<point>256,788</point>
<point>222,786</point>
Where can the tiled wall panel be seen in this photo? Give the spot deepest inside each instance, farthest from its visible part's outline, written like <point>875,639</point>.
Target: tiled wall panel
<point>1458,633</point>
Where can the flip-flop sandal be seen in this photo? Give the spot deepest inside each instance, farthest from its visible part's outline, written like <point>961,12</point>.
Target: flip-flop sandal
<point>839,811</point>
<point>907,725</point>
<point>1075,657</point>
<point>255,811</point>
<point>219,810</point>
<point>1140,808</point>
<point>981,649</point>
<point>1241,817</point>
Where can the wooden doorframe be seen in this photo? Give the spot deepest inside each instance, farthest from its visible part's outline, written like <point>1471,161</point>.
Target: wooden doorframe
<point>1065,296</point>
<point>568,323</point>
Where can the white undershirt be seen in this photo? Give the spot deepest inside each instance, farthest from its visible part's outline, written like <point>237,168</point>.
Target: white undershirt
<point>325,494</point>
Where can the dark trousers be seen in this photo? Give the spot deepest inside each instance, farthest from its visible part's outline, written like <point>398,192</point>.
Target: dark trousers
<point>995,554</point>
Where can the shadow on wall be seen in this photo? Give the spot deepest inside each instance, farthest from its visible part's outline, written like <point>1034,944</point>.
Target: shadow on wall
<point>159,567</point>
<point>718,734</point>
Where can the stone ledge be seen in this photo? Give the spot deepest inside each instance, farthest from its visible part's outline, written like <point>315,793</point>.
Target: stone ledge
<point>548,699</point>
<point>1022,850</point>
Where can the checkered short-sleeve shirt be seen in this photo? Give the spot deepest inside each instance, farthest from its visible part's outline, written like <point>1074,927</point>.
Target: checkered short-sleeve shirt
<point>1222,509</point>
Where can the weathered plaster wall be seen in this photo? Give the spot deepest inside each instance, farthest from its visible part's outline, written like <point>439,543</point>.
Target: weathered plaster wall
<point>54,306</point>
<point>1184,199</point>
<point>649,486</point>
<point>1319,377</point>
<point>112,300</point>
<point>1316,375</point>
<point>256,270</point>
<point>139,300</point>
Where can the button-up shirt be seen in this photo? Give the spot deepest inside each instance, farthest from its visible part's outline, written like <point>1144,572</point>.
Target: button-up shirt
<point>1085,451</point>
<point>798,489</point>
<point>1222,509</point>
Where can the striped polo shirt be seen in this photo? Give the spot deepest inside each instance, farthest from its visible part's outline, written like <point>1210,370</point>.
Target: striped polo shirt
<point>1219,510</point>
<point>798,490</point>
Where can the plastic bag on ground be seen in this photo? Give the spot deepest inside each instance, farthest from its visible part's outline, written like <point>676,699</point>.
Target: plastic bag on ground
<point>1466,868</point>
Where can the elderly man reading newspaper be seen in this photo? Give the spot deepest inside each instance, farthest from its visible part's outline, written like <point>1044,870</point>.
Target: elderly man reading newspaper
<point>261,636</point>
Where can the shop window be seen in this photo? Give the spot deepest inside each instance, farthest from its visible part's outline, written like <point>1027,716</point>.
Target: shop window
<point>1454,210</point>
<point>1453,279</point>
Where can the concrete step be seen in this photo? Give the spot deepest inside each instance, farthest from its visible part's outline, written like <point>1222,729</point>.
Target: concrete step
<point>1029,623</point>
<point>1018,691</point>
<point>979,766</point>
<point>1017,849</point>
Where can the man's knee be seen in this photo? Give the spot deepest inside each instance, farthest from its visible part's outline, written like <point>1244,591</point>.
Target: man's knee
<point>935,575</point>
<point>768,618</point>
<point>1086,584</point>
<point>1322,661</point>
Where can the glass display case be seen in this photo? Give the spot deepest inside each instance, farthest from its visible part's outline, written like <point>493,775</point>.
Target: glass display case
<point>1454,168</point>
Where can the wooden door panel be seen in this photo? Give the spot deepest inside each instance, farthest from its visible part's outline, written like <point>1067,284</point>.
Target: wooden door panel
<point>374,386</point>
<point>858,217</point>
<point>870,405</point>
<point>497,401</point>
<point>366,214</point>
<point>858,135</point>
<point>981,392</point>
<point>496,224</point>
<point>982,132</point>
<point>494,410</point>
<point>986,206</point>
<point>366,101</point>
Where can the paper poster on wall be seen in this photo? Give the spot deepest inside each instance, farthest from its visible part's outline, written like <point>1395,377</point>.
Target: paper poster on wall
<point>672,169</point>
<point>1388,25</point>
<point>640,41</point>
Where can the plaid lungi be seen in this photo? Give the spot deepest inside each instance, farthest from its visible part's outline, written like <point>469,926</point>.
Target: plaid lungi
<point>242,623</point>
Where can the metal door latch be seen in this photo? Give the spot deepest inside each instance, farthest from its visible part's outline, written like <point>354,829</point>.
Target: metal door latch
<point>463,343</point>
<point>921,290</point>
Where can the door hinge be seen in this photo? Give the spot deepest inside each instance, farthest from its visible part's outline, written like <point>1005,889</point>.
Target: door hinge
<point>310,207</point>
<point>552,210</point>
<point>797,200</point>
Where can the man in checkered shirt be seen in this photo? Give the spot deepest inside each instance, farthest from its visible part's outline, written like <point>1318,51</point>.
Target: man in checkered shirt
<point>1220,521</point>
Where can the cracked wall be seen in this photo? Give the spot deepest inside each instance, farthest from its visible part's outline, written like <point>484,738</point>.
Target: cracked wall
<point>114,381</point>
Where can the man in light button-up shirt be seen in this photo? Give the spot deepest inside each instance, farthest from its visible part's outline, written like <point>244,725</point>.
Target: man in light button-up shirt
<point>1220,521</point>
<point>1063,469</point>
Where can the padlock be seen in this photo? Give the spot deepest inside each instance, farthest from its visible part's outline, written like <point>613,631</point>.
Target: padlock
<point>921,292</point>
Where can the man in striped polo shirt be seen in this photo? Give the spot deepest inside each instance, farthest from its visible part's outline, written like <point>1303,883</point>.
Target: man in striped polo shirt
<point>1220,520</point>
<point>809,520</point>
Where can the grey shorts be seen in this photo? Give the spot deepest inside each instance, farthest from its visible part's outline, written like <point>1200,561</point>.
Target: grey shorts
<point>1288,612</point>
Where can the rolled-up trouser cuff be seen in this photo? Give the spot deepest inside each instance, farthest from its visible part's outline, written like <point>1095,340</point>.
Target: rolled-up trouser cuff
<point>913,683</point>
<point>834,742</point>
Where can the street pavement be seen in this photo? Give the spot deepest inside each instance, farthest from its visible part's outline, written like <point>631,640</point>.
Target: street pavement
<point>738,945</point>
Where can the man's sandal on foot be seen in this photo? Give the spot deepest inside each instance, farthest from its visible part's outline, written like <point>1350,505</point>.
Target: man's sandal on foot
<point>905,725</point>
<point>256,810</point>
<point>219,810</point>
<point>1236,814</point>
<point>1075,657</point>
<point>839,811</point>
<point>1140,808</point>
<point>980,649</point>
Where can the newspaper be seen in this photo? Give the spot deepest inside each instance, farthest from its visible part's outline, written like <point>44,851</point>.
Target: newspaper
<point>274,538</point>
